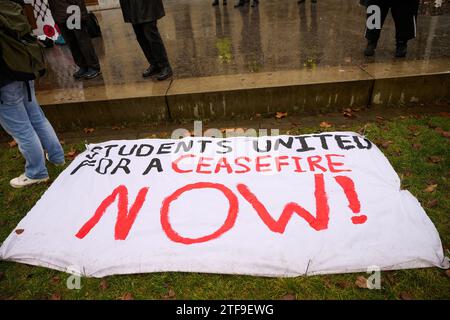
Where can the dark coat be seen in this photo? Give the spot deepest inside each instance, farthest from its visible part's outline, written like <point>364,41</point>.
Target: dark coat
<point>140,11</point>
<point>59,9</point>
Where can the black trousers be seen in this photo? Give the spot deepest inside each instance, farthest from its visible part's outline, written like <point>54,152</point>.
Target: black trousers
<point>151,43</point>
<point>404,13</point>
<point>81,47</point>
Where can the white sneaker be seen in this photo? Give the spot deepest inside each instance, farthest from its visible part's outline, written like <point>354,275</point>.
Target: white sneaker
<point>55,164</point>
<point>23,181</point>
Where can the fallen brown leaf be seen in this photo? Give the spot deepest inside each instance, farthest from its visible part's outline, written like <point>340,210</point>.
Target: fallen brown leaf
<point>405,296</point>
<point>88,130</point>
<point>361,282</point>
<point>445,134</point>
<point>19,231</point>
<point>171,294</point>
<point>348,113</point>
<point>444,114</point>
<point>281,115</point>
<point>432,203</point>
<point>127,296</point>
<point>71,154</point>
<point>104,285</point>
<point>12,144</point>
<point>431,188</point>
<point>386,144</point>
<point>435,159</point>
<point>288,296</point>
<point>325,124</point>
<point>407,173</point>
<point>380,118</point>
<point>55,296</point>
<point>56,279</point>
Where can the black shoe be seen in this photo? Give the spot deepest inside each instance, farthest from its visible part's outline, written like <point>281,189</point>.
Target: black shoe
<point>166,72</point>
<point>151,71</point>
<point>301,1</point>
<point>241,3</point>
<point>80,73</point>
<point>215,3</point>
<point>224,2</point>
<point>92,73</point>
<point>402,49</point>
<point>370,50</point>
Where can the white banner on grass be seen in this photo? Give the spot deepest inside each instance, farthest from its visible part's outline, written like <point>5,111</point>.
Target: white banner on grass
<point>270,206</point>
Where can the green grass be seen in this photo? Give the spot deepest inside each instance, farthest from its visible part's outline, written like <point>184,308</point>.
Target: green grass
<point>410,143</point>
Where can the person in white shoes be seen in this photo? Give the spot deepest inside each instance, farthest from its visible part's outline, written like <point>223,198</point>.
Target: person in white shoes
<point>22,117</point>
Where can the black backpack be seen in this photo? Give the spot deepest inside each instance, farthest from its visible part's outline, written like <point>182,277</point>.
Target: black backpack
<point>21,56</point>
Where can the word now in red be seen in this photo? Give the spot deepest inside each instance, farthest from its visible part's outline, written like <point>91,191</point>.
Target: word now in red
<point>126,216</point>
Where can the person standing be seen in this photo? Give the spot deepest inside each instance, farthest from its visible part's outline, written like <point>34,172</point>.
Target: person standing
<point>20,113</point>
<point>78,39</point>
<point>404,13</point>
<point>144,15</point>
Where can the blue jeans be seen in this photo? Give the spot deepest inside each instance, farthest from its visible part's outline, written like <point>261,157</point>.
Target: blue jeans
<point>25,121</point>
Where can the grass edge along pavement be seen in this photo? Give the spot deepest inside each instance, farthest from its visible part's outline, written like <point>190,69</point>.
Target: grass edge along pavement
<point>417,147</point>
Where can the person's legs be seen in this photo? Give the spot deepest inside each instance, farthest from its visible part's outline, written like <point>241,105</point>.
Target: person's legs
<point>44,129</point>
<point>71,40</point>
<point>158,50</point>
<point>14,119</point>
<point>86,48</point>
<point>405,14</point>
<point>144,43</point>
<point>373,35</point>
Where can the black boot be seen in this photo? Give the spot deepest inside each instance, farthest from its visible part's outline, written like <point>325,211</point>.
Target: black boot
<point>166,72</point>
<point>151,71</point>
<point>215,3</point>
<point>370,50</point>
<point>402,49</point>
<point>301,1</point>
<point>224,2</point>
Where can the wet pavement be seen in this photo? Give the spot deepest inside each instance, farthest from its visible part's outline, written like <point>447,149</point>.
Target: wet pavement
<point>278,35</point>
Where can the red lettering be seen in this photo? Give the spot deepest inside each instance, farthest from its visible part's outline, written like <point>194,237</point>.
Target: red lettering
<point>246,168</point>
<point>223,163</point>
<point>125,219</point>
<point>260,166</point>
<point>175,166</point>
<point>348,186</point>
<point>279,163</point>
<point>319,222</point>
<point>228,224</point>
<point>332,165</point>
<point>202,163</point>
<point>314,163</point>
<point>297,164</point>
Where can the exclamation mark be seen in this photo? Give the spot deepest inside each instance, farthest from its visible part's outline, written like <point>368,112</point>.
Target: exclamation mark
<point>353,202</point>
